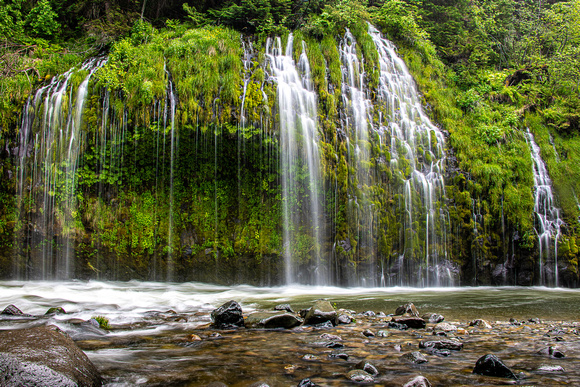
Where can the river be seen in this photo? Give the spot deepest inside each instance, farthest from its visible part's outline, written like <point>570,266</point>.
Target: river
<point>150,342</point>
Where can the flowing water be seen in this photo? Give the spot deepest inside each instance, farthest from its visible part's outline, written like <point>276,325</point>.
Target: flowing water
<point>300,163</point>
<point>417,159</point>
<point>548,220</point>
<point>151,340</point>
<point>49,153</point>
<point>356,123</point>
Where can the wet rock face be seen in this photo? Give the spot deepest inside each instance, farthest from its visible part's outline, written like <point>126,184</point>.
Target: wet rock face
<point>321,312</point>
<point>491,365</point>
<point>43,356</point>
<point>229,315</point>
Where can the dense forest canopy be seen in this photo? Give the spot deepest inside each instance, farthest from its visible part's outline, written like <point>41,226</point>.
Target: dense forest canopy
<point>487,69</point>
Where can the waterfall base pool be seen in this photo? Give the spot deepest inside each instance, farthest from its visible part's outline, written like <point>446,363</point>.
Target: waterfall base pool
<point>160,333</point>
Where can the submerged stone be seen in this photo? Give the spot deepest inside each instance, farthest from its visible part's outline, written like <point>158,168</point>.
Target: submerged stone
<point>415,357</point>
<point>491,365</point>
<point>451,344</point>
<point>229,315</point>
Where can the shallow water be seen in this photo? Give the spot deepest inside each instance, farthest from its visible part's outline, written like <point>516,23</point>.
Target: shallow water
<point>150,341</point>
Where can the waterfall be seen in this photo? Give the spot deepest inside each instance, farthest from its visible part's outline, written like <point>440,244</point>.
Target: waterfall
<point>417,160</point>
<point>548,222</point>
<point>299,163</point>
<point>47,182</point>
<point>356,123</point>
<point>170,106</point>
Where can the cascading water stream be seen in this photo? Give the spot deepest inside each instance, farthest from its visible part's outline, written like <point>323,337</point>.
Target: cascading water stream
<point>300,164</point>
<point>356,124</point>
<point>55,140</point>
<point>169,119</point>
<point>417,158</point>
<point>548,220</point>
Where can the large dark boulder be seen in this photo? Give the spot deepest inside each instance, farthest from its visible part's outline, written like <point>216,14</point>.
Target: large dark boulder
<point>229,315</point>
<point>491,365</point>
<point>321,312</point>
<point>43,356</point>
<point>272,320</point>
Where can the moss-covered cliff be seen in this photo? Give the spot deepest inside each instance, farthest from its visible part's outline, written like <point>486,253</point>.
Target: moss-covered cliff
<point>174,168</point>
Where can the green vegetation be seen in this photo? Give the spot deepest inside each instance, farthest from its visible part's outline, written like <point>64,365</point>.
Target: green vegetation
<point>488,71</point>
<point>103,322</point>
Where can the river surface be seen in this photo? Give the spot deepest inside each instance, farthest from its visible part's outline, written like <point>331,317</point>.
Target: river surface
<point>150,341</point>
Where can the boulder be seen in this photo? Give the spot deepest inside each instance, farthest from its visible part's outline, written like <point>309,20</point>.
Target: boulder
<point>407,310</point>
<point>321,312</point>
<point>43,356</point>
<point>410,321</point>
<point>360,376</point>
<point>270,320</point>
<point>432,318</point>
<point>415,357</point>
<point>491,365</point>
<point>451,344</point>
<point>229,315</point>
<point>418,381</point>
